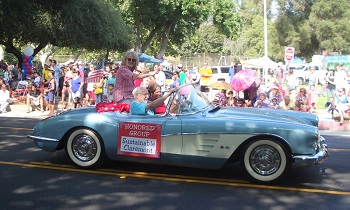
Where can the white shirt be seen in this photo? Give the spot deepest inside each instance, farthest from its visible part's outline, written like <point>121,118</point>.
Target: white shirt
<point>292,80</point>
<point>160,80</point>
<point>90,86</point>
<point>340,79</point>
<point>4,96</point>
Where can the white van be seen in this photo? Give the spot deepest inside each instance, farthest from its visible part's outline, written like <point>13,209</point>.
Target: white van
<point>302,72</point>
<point>220,73</point>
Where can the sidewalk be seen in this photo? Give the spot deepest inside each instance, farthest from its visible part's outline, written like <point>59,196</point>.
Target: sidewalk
<point>326,121</point>
<point>19,110</point>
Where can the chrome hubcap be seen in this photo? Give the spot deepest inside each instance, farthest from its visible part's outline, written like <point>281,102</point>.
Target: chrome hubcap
<point>84,147</point>
<point>265,160</point>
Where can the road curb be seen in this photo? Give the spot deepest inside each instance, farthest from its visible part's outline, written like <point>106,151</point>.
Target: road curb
<point>333,126</point>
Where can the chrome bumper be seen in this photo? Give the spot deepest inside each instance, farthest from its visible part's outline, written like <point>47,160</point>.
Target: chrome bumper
<point>44,143</point>
<point>319,157</point>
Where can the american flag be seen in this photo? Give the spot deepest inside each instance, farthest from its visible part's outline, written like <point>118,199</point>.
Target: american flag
<point>95,76</point>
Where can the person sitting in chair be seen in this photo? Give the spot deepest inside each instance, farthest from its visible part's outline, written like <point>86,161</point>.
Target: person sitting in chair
<point>34,97</point>
<point>140,106</point>
<point>4,98</point>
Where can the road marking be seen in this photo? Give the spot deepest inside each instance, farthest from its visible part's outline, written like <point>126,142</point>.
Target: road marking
<point>166,177</point>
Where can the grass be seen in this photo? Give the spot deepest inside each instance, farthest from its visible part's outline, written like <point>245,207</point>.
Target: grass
<point>322,100</point>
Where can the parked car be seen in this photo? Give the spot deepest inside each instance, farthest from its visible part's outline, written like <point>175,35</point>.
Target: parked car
<point>220,73</point>
<point>303,71</point>
<point>191,133</point>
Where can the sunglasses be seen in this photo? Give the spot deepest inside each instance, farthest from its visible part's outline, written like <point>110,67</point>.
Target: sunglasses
<point>131,59</point>
<point>230,93</point>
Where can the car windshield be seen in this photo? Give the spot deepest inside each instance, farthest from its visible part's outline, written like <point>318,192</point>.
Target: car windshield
<point>300,68</point>
<point>187,100</point>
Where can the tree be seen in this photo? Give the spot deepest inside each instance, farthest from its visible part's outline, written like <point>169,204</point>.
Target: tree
<point>250,42</point>
<point>89,24</point>
<point>329,21</point>
<point>293,27</point>
<point>226,18</point>
<point>162,23</point>
<point>162,26</point>
<point>206,39</point>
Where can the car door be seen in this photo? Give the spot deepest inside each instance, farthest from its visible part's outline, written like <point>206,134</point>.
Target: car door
<point>164,133</point>
<point>197,138</point>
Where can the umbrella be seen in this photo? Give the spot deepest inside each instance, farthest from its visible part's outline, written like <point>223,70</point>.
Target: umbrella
<point>148,59</point>
<point>95,76</point>
<point>243,79</point>
<point>221,85</point>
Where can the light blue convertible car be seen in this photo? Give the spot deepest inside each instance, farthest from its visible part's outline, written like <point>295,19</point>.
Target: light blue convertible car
<point>191,133</point>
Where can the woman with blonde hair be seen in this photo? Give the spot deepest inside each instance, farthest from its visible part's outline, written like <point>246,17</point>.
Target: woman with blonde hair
<point>124,84</point>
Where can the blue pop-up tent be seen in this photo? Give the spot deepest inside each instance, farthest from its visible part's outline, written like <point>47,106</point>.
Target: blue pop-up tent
<point>148,59</point>
<point>297,60</point>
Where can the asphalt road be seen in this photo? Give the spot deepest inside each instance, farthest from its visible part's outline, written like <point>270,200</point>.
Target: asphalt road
<point>31,178</point>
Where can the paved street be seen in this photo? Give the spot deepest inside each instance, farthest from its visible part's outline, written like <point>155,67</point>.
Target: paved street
<point>32,178</point>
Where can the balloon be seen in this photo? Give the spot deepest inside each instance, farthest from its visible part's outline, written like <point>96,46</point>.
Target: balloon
<point>24,60</point>
<point>28,51</point>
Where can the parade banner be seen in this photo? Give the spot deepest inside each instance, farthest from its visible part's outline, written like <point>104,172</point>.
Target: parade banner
<point>139,139</point>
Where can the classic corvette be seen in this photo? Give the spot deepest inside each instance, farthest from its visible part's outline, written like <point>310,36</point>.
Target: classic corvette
<point>191,133</point>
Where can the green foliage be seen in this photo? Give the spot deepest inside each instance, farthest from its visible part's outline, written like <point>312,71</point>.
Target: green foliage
<point>89,24</point>
<point>162,23</point>
<point>93,25</point>
<point>10,58</point>
<point>227,18</point>
<point>330,22</point>
<point>180,27</point>
<point>206,39</point>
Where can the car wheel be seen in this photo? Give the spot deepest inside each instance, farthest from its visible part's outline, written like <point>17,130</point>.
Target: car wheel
<point>266,160</point>
<point>85,149</point>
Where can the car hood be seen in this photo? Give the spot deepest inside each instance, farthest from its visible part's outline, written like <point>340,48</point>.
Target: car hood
<point>269,114</point>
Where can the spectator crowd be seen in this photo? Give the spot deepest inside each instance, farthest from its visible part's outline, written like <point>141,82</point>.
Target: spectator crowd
<point>72,83</point>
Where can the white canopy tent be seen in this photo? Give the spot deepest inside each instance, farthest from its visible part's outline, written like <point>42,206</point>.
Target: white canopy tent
<point>165,63</point>
<point>260,62</point>
<point>263,62</point>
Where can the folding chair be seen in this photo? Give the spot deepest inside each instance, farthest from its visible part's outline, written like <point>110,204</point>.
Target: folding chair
<point>21,89</point>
